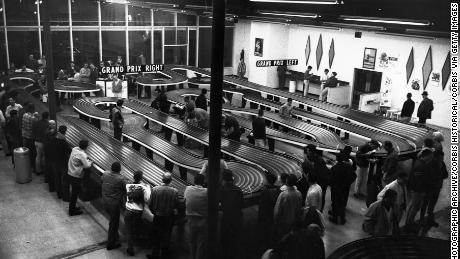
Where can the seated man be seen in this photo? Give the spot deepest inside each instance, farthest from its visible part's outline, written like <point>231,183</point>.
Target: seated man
<point>85,73</point>
<point>331,82</point>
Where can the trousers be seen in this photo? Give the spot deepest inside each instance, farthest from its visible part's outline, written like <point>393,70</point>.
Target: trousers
<point>414,207</point>
<point>361,179</point>
<point>113,209</point>
<point>132,221</point>
<point>161,235</point>
<point>198,228</point>
<point>76,187</point>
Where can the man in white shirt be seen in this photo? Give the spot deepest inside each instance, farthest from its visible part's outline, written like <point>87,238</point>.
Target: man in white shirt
<point>196,210</point>
<point>78,161</point>
<point>314,194</point>
<point>323,80</point>
<point>399,186</point>
<point>12,106</point>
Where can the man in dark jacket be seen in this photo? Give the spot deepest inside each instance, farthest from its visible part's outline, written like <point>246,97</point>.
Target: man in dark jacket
<point>48,150</point>
<point>60,155</point>
<point>319,169</point>
<point>161,101</point>
<point>231,199</point>
<point>418,184</point>
<point>390,164</point>
<point>342,176</point>
<point>201,101</point>
<point>362,162</point>
<point>302,243</point>
<point>113,191</point>
<point>39,129</point>
<point>232,127</point>
<point>13,131</point>
<point>267,201</point>
<point>407,109</point>
<point>117,120</point>
<point>425,108</point>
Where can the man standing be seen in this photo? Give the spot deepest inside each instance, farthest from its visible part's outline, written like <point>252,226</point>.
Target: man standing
<point>77,162</point>
<point>163,204</point>
<point>389,164</point>
<point>363,162</point>
<point>196,210</point>
<point>60,155</point>
<point>241,66</point>
<point>418,184</point>
<point>231,199</point>
<point>306,81</point>
<point>381,218</point>
<point>425,108</point>
<point>117,120</point>
<point>407,109</point>
<point>12,106</point>
<point>201,101</point>
<point>342,176</point>
<point>39,129</point>
<point>286,109</point>
<point>267,201</point>
<point>94,74</point>
<point>323,80</point>
<point>287,207</point>
<point>13,131</point>
<point>113,191</point>
<point>258,129</point>
<point>117,86</point>
<point>330,83</point>
<point>28,120</point>
<point>399,186</point>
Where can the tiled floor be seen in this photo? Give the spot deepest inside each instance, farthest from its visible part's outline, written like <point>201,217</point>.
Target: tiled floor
<point>35,224</point>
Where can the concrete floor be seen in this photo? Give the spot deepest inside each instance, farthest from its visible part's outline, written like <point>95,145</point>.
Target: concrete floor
<point>35,224</point>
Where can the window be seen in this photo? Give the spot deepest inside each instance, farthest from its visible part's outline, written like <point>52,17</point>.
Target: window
<point>192,48</point>
<point>205,21</point>
<point>3,65</point>
<point>228,47</point>
<point>139,43</point>
<point>113,45</point>
<point>157,47</point>
<point>21,44</point>
<point>84,12</point>
<point>112,14</point>
<point>138,16</point>
<point>204,57</point>
<point>86,47</point>
<point>176,55</point>
<point>59,14</point>
<point>186,20</point>
<point>161,18</point>
<point>21,12</point>
<point>61,49</point>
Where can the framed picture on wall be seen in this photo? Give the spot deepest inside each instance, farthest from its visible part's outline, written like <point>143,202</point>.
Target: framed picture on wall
<point>259,47</point>
<point>369,58</point>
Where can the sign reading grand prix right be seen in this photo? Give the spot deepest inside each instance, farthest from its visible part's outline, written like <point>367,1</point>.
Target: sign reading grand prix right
<point>276,62</point>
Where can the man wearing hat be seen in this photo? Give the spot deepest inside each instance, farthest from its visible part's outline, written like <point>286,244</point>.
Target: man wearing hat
<point>425,108</point>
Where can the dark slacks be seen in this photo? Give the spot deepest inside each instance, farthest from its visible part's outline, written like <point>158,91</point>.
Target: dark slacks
<point>132,222</point>
<point>230,237</point>
<point>198,227</point>
<point>429,203</point>
<point>113,209</point>
<point>117,133</point>
<point>339,198</point>
<point>76,188</point>
<point>30,144</point>
<point>161,235</point>
<point>422,120</point>
<point>58,174</point>
<point>49,175</point>
<point>323,198</point>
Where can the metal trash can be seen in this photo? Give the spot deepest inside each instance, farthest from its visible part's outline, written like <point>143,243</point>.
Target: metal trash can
<point>22,165</point>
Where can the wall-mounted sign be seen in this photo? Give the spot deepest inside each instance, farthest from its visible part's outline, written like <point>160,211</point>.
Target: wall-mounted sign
<point>369,58</point>
<point>132,69</point>
<point>277,62</point>
<point>259,47</point>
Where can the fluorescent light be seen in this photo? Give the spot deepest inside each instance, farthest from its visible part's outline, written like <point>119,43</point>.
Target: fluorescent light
<point>117,1</point>
<point>406,35</point>
<point>292,14</point>
<point>384,20</point>
<point>326,2</point>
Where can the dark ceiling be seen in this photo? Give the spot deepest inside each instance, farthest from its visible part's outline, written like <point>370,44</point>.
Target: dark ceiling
<point>436,12</point>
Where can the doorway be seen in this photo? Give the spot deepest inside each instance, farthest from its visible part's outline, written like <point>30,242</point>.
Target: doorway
<point>365,81</point>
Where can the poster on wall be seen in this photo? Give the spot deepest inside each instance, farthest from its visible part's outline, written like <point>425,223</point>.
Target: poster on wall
<point>259,47</point>
<point>435,79</point>
<point>369,58</point>
<point>387,61</point>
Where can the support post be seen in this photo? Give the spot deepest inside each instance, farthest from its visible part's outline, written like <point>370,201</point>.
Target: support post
<point>217,69</point>
<point>49,60</point>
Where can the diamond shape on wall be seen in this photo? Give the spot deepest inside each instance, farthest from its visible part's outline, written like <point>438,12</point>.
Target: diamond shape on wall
<point>427,68</point>
<point>331,53</point>
<point>410,65</point>
<point>445,72</point>
<point>307,51</point>
<point>319,51</point>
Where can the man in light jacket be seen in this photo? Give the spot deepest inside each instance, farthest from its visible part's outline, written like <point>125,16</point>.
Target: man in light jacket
<point>78,161</point>
<point>399,186</point>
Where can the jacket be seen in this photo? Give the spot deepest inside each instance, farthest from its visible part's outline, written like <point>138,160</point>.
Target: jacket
<point>408,108</point>
<point>77,162</point>
<point>113,188</point>
<point>425,108</point>
<point>377,222</point>
<point>61,151</point>
<point>201,102</point>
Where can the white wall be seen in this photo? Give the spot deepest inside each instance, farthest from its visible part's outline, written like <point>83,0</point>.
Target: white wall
<point>349,53</point>
<point>241,36</point>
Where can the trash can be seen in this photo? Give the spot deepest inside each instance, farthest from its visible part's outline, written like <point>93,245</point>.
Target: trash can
<point>22,165</point>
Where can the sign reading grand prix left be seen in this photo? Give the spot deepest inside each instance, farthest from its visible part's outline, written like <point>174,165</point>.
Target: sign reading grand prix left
<point>276,62</point>
<point>132,69</point>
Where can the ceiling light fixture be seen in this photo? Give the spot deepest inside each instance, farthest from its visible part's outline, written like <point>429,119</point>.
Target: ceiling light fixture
<point>291,14</point>
<point>117,1</point>
<point>325,2</point>
<point>385,20</point>
<point>407,35</point>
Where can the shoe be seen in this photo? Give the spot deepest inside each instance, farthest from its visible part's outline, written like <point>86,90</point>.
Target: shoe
<point>333,220</point>
<point>343,220</point>
<point>130,252</point>
<point>75,213</point>
<point>114,246</point>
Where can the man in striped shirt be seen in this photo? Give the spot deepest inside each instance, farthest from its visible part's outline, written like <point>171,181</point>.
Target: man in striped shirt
<point>28,120</point>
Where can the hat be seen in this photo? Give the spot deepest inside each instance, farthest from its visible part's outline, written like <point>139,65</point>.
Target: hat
<point>425,93</point>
